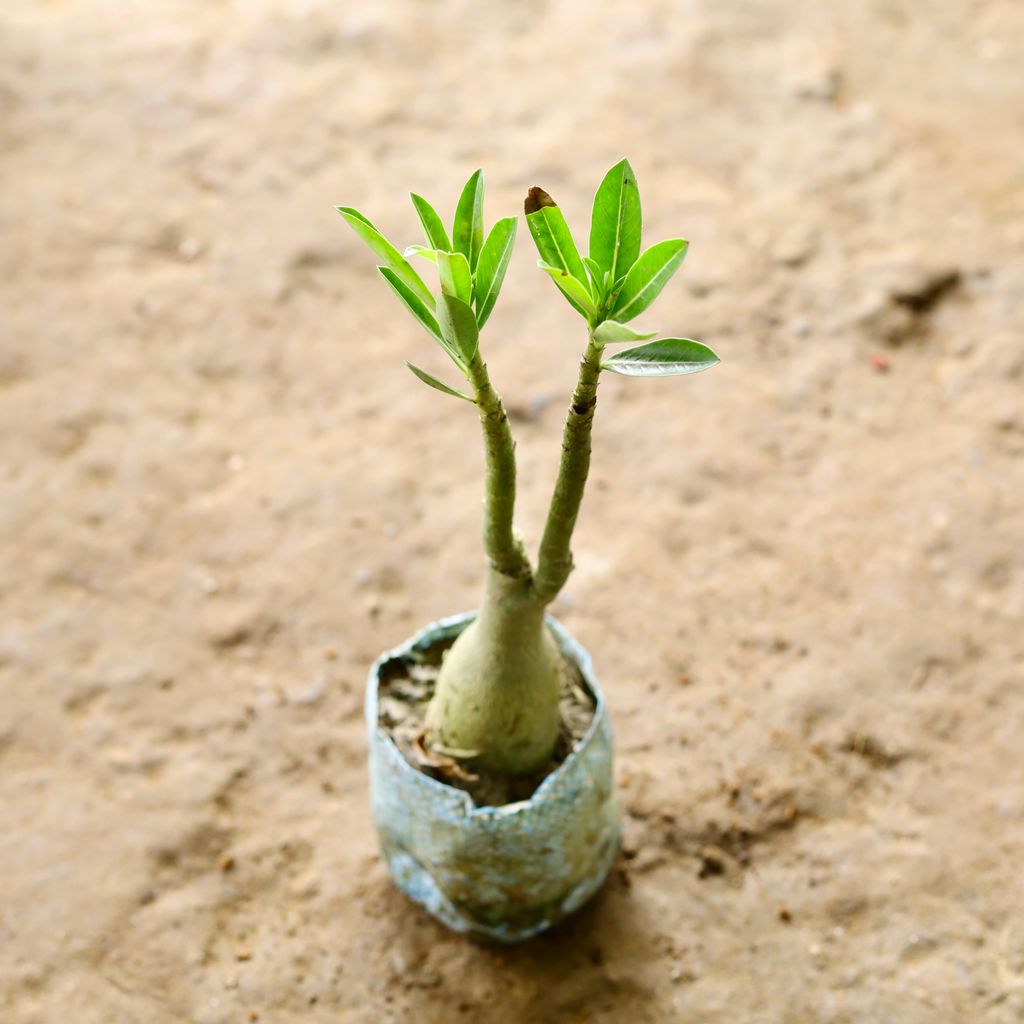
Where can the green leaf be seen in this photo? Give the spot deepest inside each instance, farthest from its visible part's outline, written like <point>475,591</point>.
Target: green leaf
<point>387,253</point>
<point>610,331</point>
<point>597,279</point>
<point>666,358</point>
<point>578,295</point>
<point>647,277</point>
<point>456,279</point>
<point>458,328</point>
<point>439,385</point>
<point>421,250</point>
<point>468,230</point>
<point>490,270</point>
<point>350,212</point>
<point>433,228</point>
<point>552,235</point>
<point>416,305</point>
<point>615,223</point>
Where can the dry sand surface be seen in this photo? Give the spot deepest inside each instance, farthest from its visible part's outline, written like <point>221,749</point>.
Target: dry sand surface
<point>800,574</point>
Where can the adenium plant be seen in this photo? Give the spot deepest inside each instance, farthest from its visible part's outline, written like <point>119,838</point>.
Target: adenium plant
<point>497,694</point>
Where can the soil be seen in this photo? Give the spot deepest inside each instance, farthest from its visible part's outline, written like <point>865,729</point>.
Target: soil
<point>224,495</point>
<point>406,687</point>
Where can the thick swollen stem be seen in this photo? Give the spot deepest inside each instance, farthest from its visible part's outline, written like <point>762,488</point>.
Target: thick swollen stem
<point>555,559</point>
<point>504,550</point>
<point>497,694</point>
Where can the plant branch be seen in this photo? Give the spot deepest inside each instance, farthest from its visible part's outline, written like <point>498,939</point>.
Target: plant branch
<point>555,559</point>
<point>504,550</point>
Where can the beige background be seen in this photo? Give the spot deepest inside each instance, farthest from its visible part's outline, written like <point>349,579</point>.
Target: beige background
<point>800,574</point>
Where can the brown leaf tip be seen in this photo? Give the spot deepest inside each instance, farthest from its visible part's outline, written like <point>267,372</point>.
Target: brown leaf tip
<point>537,198</point>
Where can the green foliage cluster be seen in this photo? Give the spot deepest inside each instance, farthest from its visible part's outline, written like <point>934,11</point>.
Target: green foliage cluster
<point>613,284</point>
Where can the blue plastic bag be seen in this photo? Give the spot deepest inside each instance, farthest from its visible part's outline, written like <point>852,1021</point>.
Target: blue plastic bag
<point>507,872</point>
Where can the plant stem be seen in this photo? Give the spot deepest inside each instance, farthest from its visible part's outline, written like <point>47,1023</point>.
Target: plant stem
<point>498,689</point>
<point>504,550</point>
<point>555,559</point>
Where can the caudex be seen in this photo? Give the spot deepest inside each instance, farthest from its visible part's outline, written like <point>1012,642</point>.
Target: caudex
<point>497,695</point>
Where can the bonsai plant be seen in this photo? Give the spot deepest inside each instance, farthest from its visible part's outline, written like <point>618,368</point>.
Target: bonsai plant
<point>497,702</point>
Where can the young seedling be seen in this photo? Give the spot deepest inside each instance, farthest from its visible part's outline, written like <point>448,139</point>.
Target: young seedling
<point>497,695</point>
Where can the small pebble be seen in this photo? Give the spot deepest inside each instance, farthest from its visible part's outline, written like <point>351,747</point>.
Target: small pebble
<point>311,695</point>
<point>190,248</point>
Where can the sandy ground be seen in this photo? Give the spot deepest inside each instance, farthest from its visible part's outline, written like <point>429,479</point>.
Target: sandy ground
<point>800,574</point>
